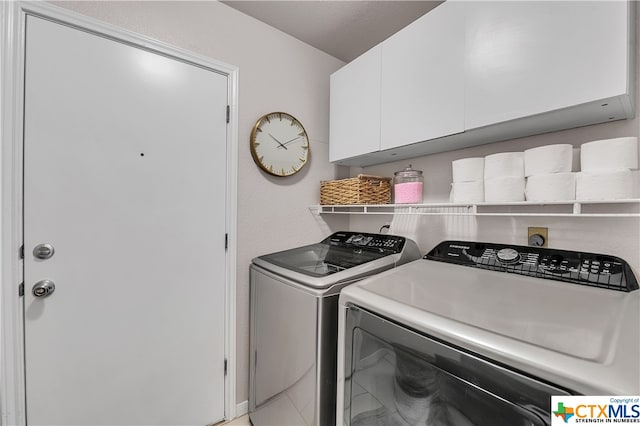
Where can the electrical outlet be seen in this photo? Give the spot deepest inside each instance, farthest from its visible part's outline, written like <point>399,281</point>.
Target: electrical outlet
<point>538,237</point>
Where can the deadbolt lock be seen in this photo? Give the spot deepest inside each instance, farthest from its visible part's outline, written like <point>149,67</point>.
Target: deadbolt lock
<point>43,251</point>
<point>43,288</point>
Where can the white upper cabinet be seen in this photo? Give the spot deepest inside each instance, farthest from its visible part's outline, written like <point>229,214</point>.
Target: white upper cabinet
<point>530,57</point>
<point>422,95</point>
<point>475,72</point>
<point>355,107</point>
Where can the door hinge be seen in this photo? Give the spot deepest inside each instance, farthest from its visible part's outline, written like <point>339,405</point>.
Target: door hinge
<point>226,241</point>
<point>225,366</point>
<point>21,290</point>
<point>21,252</point>
<point>228,113</point>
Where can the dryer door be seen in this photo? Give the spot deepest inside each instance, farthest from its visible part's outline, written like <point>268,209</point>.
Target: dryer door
<point>395,376</point>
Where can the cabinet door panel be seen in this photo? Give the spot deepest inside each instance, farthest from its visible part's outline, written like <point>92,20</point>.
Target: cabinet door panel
<point>422,94</point>
<point>527,58</point>
<point>355,107</point>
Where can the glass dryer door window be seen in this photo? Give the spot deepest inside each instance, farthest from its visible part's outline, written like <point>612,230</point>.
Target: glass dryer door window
<point>395,376</point>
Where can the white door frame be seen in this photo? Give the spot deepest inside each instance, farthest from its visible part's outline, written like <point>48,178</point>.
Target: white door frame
<point>12,45</point>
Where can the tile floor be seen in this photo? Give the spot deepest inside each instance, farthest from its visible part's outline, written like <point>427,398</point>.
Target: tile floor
<point>240,421</point>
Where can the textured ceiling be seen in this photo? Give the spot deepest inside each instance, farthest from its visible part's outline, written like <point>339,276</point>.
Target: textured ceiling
<point>343,29</point>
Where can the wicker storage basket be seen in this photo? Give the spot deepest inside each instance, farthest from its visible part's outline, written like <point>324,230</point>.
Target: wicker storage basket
<point>363,189</point>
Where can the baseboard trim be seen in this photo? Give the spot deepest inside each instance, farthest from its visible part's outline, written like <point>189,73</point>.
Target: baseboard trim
<point>242,408</point>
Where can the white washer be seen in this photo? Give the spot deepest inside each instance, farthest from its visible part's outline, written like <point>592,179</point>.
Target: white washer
<point>483,334</point>
<point>294,322</point>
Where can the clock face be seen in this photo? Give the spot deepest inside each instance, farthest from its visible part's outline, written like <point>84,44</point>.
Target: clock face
<point>279,144</point>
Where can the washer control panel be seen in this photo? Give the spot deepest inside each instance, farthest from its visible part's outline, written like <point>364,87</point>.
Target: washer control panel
<point>379,242</point>
<point>591,269</point>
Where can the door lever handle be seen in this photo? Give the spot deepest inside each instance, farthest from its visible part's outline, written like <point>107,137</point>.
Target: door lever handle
<point>43,288</point>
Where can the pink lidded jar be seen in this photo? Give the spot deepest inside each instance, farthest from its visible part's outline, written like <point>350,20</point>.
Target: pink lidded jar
<point>407,186</point>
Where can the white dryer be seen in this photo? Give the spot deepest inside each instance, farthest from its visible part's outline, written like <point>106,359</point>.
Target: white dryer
<point>483,334</point>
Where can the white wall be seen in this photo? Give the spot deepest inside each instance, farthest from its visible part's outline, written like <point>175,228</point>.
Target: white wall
<point>277,73</point>
<point>617,236</point>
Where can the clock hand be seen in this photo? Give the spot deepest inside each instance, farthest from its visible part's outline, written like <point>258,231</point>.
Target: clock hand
<point>279,143</point>
<point>289,141</point>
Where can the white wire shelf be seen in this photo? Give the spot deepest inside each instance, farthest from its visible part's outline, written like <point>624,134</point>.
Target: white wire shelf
<point>606,208</point>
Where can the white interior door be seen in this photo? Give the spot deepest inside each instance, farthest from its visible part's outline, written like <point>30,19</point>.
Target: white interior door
<point>124,175</point>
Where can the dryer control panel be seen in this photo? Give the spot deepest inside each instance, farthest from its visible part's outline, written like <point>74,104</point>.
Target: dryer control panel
<point>377,242</point>
<point>590,269</point>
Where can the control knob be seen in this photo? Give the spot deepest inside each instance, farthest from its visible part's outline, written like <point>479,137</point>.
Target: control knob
<point>508,255</point>
<point>357,239</point>
<point>361,240</point>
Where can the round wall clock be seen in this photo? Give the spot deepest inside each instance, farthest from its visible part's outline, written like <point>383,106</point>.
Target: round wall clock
<point>279,144</point>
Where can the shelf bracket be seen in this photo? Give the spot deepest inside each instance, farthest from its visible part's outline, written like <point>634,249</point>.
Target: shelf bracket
<point>577,208</point>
